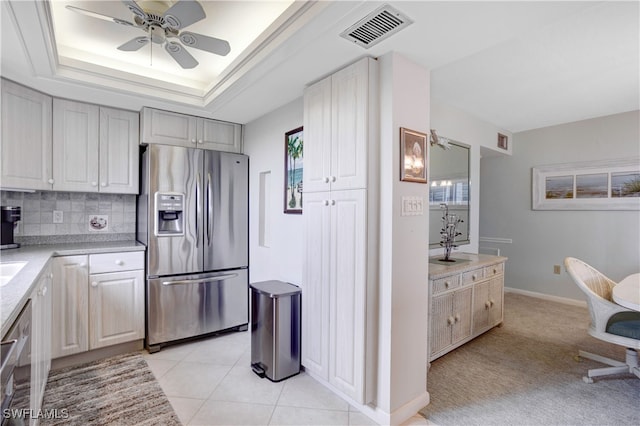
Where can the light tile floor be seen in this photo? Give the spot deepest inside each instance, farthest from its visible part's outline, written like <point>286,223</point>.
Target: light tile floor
<point>210,382</point>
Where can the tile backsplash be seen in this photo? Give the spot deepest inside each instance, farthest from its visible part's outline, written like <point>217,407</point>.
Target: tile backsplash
<point>84,217</point>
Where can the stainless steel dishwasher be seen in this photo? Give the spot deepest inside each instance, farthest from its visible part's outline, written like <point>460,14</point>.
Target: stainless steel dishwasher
<point>16,392</point>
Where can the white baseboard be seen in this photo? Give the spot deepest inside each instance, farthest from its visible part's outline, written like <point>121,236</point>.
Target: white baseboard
<point>543,296</point>
<point>381,417</point>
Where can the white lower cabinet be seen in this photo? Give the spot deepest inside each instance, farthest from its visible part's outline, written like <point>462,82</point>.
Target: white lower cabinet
<point>116,308</point>
<point>465,300</point>
<point>41,302</point>
<point>334,293</point>
<point>98,301</point>
<point>71,305</point>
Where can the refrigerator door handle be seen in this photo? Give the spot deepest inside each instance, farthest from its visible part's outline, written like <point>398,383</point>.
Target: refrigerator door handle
<point>209,209</point>
<point>200,280</point>
<point>198,207</point>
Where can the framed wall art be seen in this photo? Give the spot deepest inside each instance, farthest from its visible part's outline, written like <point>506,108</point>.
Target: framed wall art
<point>593,185</point>
<point>293,165</point>
<point>413,156</point>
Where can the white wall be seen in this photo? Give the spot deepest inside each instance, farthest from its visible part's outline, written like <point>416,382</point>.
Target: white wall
<point>403,319</point>
<point>479,135</point>
<point>281,258</point>
<point>608,240</point>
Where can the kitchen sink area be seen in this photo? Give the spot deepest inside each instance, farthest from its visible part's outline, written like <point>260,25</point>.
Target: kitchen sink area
<point>8,270</point>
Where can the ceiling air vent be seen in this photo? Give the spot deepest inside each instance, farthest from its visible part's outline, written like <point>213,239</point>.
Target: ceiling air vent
<point>376,26</point>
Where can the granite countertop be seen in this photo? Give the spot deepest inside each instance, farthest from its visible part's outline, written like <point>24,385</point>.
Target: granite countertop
<point>467,262</point>
<point>14,294</point>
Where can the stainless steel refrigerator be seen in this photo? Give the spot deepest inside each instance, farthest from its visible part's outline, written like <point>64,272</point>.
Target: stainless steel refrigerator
<point>193,217</point>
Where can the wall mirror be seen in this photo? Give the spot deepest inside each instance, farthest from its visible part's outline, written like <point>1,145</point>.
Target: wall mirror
<point>449,183</point>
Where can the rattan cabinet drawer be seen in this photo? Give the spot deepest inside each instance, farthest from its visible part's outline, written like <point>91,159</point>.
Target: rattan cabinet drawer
<point>443,284</point>
<point>472,276</point>
<point>493,270</point>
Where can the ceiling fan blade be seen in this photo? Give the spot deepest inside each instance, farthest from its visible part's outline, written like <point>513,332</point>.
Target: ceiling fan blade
<point>135,9</point>
<point>101,16</point>
<point>180,54</point>
<point>184,13</point>
<point>134,44</point>
<point>206,43</point>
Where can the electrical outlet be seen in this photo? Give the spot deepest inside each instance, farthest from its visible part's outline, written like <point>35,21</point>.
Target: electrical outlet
<point>57,216</point>
<point>556,269</point>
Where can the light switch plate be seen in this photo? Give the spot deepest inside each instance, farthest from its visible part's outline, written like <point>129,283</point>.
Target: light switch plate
<point>412,206</point>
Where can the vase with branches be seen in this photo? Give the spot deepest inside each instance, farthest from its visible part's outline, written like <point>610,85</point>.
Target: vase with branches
<point>449,232</point>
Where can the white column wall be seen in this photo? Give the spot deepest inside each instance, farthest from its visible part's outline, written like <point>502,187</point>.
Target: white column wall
<point>402,355</point>
<point>264,144</point>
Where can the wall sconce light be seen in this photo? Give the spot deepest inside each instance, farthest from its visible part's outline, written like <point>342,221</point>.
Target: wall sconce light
<point>438,140</point>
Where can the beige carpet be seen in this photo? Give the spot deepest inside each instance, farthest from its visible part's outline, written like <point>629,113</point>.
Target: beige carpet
<point>524,373</point>
<point>120,390</point>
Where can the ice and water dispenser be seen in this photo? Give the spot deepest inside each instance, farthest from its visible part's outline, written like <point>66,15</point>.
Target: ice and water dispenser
<point>169,214</point>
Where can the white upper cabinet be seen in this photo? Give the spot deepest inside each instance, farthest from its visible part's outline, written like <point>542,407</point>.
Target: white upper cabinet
<point>75,146</point>
<point>95,149</point>
<point>119,155</point>
<point>336,118</point>
<point>220,135</point>
<point>168,128</point>
<point>317,129</point>
<point>171,128</point>
<point>26,138</point>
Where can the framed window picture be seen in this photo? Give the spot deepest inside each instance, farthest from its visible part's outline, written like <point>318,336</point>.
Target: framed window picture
<point>413,156</point>
<point>592,185</point>
<point>293,161</point>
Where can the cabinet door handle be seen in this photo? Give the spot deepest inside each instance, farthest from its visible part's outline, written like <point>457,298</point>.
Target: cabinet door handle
<point>487,304</point>
<point>83,265</point>
<point>325,202</point>
<point>199,141</point>
<point>50,181</point>
<point>119,262</point>
<point>491,302</point>
<point>193,141</point>
<point>333,202</point>
<point>43,291</point>
<point>333,178</point>
<point>456,318</point>
<point>94,183</point>
<point>447,284</point>
<point>474,277</point>
<point>495,270</point>
<point>326,180</point>
<point>94,284</point>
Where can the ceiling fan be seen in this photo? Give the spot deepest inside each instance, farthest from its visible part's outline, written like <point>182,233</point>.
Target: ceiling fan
<point>163,22</point>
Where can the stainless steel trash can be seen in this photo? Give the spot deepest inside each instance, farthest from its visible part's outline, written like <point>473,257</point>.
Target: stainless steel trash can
<point>275,329</point>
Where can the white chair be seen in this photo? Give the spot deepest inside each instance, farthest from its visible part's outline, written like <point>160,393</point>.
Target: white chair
<point>609,321</point>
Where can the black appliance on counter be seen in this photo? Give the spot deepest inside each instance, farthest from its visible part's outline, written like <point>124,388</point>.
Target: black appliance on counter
<point>10,217</point>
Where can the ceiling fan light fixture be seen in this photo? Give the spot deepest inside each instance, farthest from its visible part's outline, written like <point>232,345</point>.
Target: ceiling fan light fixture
<point>157,34</point>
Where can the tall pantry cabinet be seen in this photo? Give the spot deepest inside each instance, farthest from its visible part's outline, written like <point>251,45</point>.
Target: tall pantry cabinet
<point>340,214</point>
